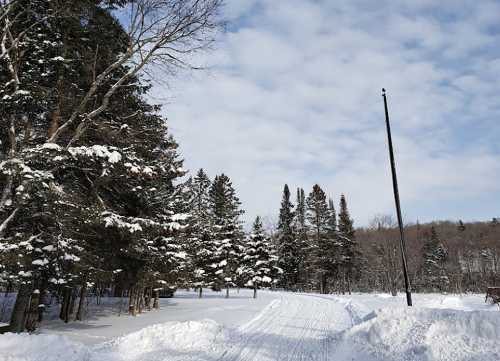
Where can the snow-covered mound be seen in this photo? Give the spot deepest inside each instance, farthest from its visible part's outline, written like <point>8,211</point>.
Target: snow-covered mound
<point>27,347</point>
<point>422,334</point>
<point>190,340</point>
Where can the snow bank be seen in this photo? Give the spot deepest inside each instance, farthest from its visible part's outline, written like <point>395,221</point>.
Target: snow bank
<point>199,340</point>
<point>26,347</point>
<point>192,340</point>
<point>422,334</point>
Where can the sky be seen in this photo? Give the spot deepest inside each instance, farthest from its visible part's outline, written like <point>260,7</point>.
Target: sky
<point>292,95</point>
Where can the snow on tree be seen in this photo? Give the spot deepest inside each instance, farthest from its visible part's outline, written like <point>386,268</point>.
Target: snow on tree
<point>88,170</point>
<point>202,249</point>
<point>259,266</point>
<point>227,232</point>
<point>435,254</point>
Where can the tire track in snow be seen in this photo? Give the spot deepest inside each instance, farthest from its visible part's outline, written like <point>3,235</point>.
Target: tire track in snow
<point>297,327</point>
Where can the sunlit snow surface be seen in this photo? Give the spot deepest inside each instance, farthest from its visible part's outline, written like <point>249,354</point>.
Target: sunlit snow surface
<point>276,326</point>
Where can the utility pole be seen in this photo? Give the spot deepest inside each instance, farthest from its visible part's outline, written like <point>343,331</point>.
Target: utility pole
<point>398,204</point>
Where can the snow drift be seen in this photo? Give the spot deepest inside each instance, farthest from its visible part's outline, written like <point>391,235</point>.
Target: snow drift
<point>192,340</point>
<point>422,334</point>
<point>26,347</point>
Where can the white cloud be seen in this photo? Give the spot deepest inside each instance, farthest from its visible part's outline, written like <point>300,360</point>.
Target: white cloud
<point>294,96</point>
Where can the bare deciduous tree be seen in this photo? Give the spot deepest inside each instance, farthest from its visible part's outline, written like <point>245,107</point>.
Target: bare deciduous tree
<point>163,34</point>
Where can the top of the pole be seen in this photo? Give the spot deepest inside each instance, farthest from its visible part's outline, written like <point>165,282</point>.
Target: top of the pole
<point>383,92</point>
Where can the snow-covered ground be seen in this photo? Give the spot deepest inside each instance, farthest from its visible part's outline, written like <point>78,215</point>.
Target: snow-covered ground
<point>276,326</point>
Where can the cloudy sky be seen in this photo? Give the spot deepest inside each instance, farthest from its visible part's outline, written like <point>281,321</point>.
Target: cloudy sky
<point>293,95</point>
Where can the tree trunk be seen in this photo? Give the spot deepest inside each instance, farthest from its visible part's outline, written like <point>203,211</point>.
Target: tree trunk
<point>83,294</point>
<point>323,284</point>
<point>254,291</point>
<point>42,300</point>
<point>121,301</point>
<point>156,304</point>
<point>32,314</point>
<point>140,300</point>
<point>65,303</point>
<point>149,298</point>
<point>118,291</point>
<point>18,317</point>
<point>131,302</point>
<point>227,291</point>
<point>200,294</point>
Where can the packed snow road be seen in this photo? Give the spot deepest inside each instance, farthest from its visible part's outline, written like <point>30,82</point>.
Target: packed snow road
<point>293,327</point>
<point>277,326</point>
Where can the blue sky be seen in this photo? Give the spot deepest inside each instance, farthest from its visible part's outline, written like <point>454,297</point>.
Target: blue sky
<point>292,95</point>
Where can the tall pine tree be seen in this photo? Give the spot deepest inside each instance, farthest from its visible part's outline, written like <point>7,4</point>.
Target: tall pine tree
<point>287,242</point>
<point>348,245</point>
<point>322,246</point>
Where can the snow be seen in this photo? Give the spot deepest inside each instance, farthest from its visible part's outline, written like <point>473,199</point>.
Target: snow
<point>40,262</point>
<point>423,334</point>
<point>276,326</point>
<point>51,146</point>
<point>100,151</point>
<point>174,339</point>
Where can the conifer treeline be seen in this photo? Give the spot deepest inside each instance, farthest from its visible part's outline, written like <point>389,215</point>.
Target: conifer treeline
<point>317,250</point>
<point>220,254</point>
<point>321,251</point>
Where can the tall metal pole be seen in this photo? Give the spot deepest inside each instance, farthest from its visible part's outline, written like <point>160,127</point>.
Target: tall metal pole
<point>398,205</point>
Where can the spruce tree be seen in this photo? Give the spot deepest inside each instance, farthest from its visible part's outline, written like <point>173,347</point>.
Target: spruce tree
<point>259,266</point>
<point>434,256</point>
<point>201,245</point>
<point>322,242</point>
<point>300,229</point>
<point>347,241</point>
<point>227,232</point>
<point>287,242</point>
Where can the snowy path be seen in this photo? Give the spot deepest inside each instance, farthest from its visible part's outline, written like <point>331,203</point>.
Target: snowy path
<point>293,327</point>
<point>277,326</point>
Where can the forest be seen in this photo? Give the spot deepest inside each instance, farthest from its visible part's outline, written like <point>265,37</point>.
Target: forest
<point>95,200</point>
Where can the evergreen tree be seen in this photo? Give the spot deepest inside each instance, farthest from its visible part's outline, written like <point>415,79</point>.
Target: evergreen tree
<point>227,232</point>
<point>259,264</point>
<point>100,196</point>
<point>301,239</point>
<point>433,270</point>
<point>322,247</point>
<point>287,242</point>
<point>347,241</point>
<point>202,249</point>
<point>332,219</point>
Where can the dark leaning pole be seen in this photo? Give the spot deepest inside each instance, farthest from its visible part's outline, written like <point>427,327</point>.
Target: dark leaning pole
<point>398,204</point>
